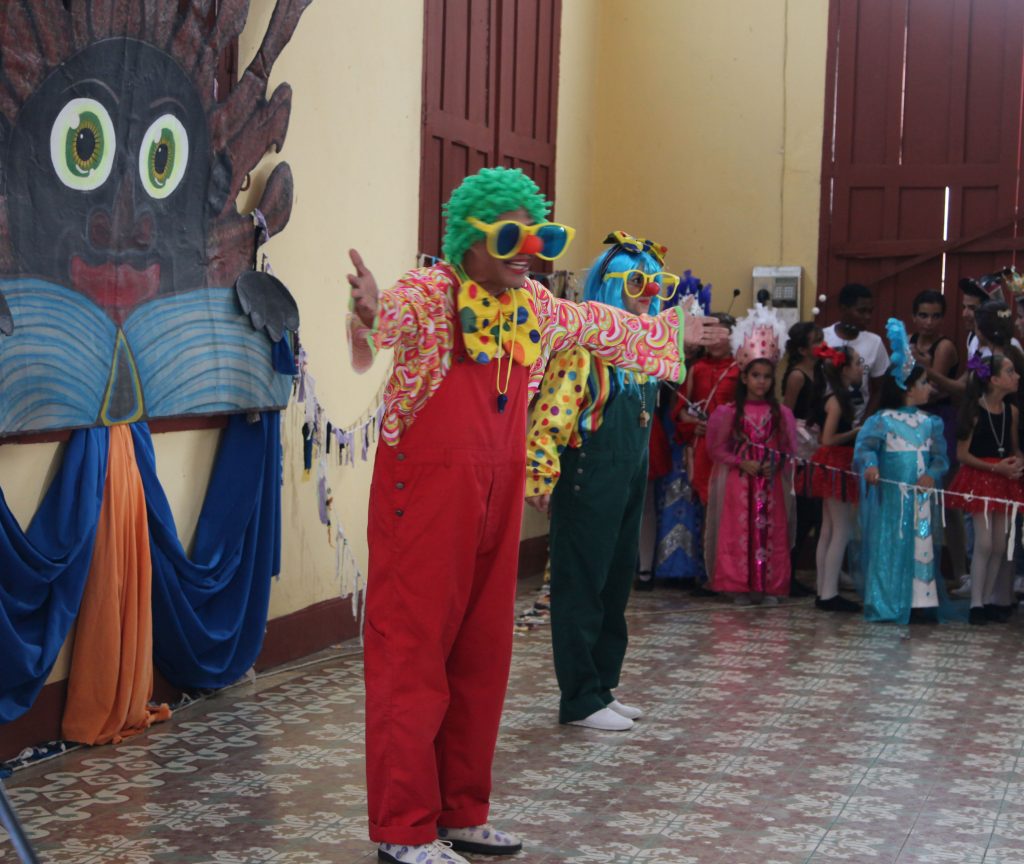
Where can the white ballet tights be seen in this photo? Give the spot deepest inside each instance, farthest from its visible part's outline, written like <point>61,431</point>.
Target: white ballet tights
<point>838,521</point>
<point>989,555</point>
<point>1001,593</point>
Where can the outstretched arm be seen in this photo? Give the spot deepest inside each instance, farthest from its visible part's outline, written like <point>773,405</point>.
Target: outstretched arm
<point>640,343</point>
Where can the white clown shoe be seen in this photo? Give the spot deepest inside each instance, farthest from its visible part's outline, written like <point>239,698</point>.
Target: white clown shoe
<point>435,852</point>
<point>606,720</point>
<point>628,711</point>
<point>481,840</point>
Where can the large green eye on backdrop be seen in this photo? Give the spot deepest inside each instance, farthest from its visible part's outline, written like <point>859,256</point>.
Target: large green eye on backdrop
<point>163,156</point>
<point>82,144</point>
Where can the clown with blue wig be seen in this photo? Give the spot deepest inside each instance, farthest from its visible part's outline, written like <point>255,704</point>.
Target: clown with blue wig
<point>587,452</point>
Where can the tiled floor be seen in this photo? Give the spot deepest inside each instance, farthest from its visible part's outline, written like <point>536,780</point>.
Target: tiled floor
<point>772,735</point>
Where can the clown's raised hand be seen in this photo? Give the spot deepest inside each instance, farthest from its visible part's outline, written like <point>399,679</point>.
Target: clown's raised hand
<point>364,290</point>
<point>699,330</point>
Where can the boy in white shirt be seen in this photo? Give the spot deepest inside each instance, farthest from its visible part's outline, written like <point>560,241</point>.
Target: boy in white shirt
<point>856,305</point>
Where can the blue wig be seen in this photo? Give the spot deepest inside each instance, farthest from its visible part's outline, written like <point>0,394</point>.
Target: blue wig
<point>600,288</point>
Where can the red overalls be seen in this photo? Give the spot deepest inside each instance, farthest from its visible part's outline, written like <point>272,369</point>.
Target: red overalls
<point>446,506</point>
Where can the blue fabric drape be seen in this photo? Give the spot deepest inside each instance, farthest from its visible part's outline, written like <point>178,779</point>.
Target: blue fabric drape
<point>210,611</point>
<point>43,570</point>
<point>679,553</point>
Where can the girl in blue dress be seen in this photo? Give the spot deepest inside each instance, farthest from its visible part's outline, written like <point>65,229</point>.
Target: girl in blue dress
<point>901,444</point>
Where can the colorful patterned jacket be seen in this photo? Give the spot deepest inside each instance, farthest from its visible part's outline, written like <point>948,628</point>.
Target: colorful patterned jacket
<point>417,317</point>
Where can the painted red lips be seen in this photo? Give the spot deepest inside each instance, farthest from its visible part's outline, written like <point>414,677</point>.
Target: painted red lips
<point>116,288</point>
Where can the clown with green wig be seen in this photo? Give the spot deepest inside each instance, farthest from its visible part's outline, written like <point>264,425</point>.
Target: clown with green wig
<point>472,337</point>
<point>587,448</point>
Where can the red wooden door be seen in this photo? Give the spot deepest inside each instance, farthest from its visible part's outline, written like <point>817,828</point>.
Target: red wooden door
<point>921,166</point>
<point>528,92</point>
<point>490,96</point>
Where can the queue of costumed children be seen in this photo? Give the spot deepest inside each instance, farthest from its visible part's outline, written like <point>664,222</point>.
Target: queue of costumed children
<point>879,458</point>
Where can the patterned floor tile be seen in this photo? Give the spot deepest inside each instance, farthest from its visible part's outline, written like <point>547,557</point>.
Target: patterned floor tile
<point>770,736</point>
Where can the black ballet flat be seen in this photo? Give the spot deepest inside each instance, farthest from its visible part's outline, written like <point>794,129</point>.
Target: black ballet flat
<point>838,604</point>
<point>999,614</point>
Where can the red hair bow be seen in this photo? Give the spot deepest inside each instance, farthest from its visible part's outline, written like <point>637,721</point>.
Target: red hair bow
<point>830,355</point>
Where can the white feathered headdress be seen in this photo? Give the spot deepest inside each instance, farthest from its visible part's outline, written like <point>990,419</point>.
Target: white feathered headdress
<point>759,335</point>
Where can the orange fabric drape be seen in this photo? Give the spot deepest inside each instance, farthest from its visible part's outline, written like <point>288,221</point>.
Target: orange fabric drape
<point>111,678</point>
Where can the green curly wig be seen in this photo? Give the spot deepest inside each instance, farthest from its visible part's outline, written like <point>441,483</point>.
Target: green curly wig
<point>485,195</point>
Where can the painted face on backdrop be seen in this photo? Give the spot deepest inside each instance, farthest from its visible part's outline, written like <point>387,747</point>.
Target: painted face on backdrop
<point>127,282</point>
<point>102,151</point>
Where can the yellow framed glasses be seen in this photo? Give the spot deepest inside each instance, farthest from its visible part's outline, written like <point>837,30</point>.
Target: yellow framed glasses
<point>637,283</point>
<point>547,240</point>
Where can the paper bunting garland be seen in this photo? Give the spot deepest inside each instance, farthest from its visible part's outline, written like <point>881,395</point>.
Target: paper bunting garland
<point>940,496</point>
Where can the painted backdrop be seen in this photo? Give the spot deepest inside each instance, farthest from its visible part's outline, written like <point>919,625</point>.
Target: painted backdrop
<point>121,249</point>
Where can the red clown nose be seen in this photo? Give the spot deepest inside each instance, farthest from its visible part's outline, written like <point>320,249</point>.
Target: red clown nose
<point>532,245</point>
<point>650,289</point>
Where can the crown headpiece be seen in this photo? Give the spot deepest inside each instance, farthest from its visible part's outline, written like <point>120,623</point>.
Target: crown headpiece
<point>901,357</point>
<point>759,335</point>
<point>691,286</point>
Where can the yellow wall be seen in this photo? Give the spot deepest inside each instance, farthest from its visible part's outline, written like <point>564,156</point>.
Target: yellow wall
<point>708,133</point>
<point>575,196</point>
<point>354,149</point>
<point>718,158</point>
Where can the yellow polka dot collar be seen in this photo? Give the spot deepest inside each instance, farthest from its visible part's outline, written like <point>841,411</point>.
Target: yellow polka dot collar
<point>509,317</point>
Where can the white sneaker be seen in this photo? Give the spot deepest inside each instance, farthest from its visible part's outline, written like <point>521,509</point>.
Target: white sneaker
<point>435,852</point>
<point>481,840</point>
<point>627,711</point>
<point>606,720</point>
<point>964,588</point>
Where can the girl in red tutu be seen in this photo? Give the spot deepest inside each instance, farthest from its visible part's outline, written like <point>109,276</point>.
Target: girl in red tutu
<point>990,466</point>
<point>831,477</point>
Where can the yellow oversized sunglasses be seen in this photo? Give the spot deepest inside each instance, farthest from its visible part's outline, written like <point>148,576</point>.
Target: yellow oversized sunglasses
<point>547,240</point>
<point>637,283</point>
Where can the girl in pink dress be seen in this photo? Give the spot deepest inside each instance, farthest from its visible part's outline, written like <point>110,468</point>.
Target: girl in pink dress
<point>748,536</point>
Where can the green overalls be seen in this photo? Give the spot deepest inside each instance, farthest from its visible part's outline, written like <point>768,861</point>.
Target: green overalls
<point>596,507</point>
